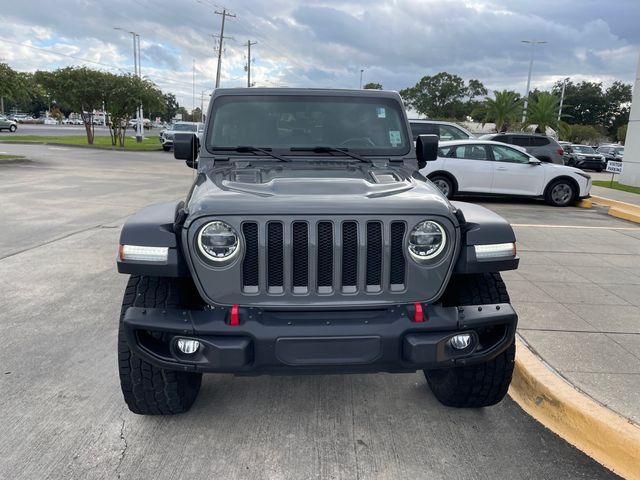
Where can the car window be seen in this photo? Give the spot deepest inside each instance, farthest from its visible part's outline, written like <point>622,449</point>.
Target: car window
<point>510,155</point>
<point>469,152</point>
<point>539,141</point>
<point>499,138</point>
<point>521,141</point>
<point>620,151</point>
<point>423,129</point>
<point>582,149</point>
<point>448,132</point>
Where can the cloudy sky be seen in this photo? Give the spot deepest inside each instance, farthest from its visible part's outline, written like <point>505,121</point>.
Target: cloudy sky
<point>327,43</point>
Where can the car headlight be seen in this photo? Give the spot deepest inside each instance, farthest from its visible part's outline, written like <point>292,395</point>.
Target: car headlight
<point>427,240</point>
<point>218,241</point>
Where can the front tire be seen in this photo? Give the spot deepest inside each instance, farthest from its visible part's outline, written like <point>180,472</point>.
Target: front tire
<point>560,193</point>
<point>166,148</point>
<point>13,128</point>
<point>147,389</point>
<point>444,184</point>
<point>481,385</point>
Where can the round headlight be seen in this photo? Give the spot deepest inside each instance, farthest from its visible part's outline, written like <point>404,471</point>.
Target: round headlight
<point>427,240</point>
<point>218,241</point>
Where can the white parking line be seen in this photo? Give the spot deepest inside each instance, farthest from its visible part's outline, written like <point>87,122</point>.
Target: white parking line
<point>585,227</point>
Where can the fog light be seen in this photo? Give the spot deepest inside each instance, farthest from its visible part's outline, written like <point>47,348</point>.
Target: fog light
<point>460,341</point>
<point>188,346</point>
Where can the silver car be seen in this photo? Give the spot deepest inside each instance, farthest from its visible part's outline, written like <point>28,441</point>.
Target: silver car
<point>166,137</point>
<point>6,124</point>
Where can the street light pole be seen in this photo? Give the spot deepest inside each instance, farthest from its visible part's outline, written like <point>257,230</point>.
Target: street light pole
<point>533,44</point>
<point>564,84</point>
<point>140,125</point>
<point>137,71</point>
<point>361,72</point>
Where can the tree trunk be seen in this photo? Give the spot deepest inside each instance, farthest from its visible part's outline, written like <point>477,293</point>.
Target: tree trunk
<point>86,119</point>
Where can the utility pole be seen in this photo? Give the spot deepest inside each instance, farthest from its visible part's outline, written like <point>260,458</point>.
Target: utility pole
<point>564,84</point>
<point>193,105</point>
<point>249,43</point>
<point>140,125</point>
<point>361,72</point>
<point>224,14</point>
<point>202,104</point>
<point>1,97</point>
<point>137,72</point>
<point>533,44</point>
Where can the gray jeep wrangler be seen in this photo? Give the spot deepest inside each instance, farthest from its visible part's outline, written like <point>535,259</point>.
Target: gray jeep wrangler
<point>310,244</point>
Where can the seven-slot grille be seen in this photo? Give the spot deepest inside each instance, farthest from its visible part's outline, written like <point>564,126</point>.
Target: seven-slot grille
<point>323,257</point>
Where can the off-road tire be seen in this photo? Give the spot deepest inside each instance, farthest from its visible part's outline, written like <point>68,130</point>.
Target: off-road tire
<point>479,385</point>
<point>149,390</point>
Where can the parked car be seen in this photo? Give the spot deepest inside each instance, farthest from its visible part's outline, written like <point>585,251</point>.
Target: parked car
<point>167,136</point>
<point>583,156</point>
<point>542,147</point>
<point>611,152</point>
<point>313,250</point>
<point>444,130</point>
<point>6,124</point>
<point>487,167</point>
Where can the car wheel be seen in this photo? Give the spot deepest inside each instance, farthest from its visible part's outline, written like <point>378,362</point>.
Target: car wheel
<point>479,385</point>
<point>560,193</point>
<point>598,170</point>
<point>444,184</point>
<point>147,389</point>
<point>166,148</point>
<point>13,128</point>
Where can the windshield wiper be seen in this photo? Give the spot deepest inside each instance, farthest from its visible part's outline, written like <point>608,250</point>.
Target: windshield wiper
<point>325,149</point>
<point>247,148</point>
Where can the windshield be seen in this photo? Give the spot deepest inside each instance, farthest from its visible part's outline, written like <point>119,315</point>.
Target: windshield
<point>289,123</point>
<point>184,127</point>
<point>582,149</point>
<point>620,151</point>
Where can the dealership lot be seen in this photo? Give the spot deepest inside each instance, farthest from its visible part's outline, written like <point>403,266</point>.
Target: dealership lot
<point>62,411</point>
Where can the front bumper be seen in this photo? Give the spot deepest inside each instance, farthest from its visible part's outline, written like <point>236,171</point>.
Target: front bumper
<point>591,164</point>
<point>289,342</point>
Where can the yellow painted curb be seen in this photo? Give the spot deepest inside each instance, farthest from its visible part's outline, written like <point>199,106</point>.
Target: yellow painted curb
<point>610,439</point>
<point>624,214</point>
<point>623,210</point>
<point>584,203</point>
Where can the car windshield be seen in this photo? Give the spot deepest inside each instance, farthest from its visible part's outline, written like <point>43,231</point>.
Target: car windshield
<point>300,125</point>
<point>620,151</point>
<point>582,149</point>
<point>184,127</point>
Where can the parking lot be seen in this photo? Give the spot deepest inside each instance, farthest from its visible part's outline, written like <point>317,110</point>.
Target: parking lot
<point>62,411</point>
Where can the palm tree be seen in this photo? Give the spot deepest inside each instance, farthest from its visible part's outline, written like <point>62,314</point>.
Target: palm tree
<point>504,109</point>
<point>543,111</point>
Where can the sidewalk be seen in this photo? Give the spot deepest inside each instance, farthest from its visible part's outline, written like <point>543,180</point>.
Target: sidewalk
<point>577,294</point>
<point>614,194</point>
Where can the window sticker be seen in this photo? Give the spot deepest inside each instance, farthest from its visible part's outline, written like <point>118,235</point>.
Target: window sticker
<point>394,138</point>
<point>382,113</point>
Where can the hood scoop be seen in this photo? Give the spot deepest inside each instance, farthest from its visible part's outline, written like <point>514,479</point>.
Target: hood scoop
<point>385,177</point>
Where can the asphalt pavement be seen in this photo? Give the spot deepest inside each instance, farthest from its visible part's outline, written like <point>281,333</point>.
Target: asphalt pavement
<point>62,413</point>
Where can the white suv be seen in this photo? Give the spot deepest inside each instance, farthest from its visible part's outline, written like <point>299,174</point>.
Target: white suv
<point>444,130</point>
<point>486,167</point>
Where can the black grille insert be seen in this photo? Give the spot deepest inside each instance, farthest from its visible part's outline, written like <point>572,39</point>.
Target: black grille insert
<point>300,256</point>
<point>275,256</point>
<point>374,254</point>
<point>250,263</point>
<point>325,255</point>
<point>397,261</point>
<point>349,256</point>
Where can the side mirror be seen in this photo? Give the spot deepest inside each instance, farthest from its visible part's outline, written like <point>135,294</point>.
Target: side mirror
<point>186,146</point>
<point>534,161</point>
<point>426,149</point>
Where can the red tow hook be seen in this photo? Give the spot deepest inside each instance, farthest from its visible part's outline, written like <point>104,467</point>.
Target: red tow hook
<point>418,315</point>
<point>235,315</point>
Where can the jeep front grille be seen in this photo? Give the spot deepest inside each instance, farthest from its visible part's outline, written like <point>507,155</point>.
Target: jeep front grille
<point>323,257</point>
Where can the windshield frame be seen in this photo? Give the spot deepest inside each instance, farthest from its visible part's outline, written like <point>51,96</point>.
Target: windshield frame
<point>387,102</point>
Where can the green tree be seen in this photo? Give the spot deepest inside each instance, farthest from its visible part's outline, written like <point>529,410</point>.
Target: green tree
<point>81,88</point>
<point>543,112</point>
<point>122,96</point>
<point>14,86</point>
<point>169,110</point>
<point>441,95</point>
<point>621,133</point>
<point>504,109</point>
<point>586,134</point>
<point>373,86</point>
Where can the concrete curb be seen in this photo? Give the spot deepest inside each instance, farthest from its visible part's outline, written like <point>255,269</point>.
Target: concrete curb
<point>618,209</point>
<point>65,145</point>
<point>607,437</point>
